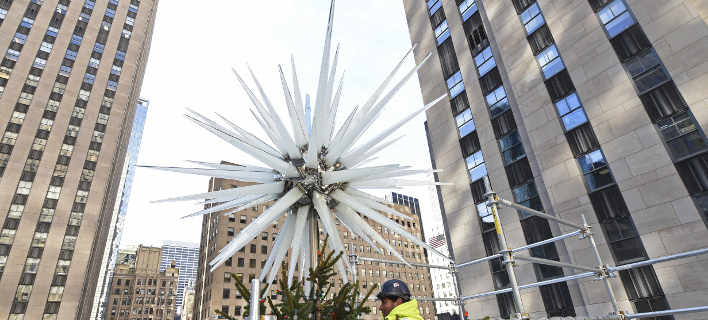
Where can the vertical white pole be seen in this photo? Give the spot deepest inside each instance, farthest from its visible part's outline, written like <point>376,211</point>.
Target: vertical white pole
<point>254,313</point>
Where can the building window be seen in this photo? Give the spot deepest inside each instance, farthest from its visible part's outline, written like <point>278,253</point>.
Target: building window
<point>511,148</point>
<point>226,294</point>
<point>643,290</point>
<point>434,5</point>
<point>485,215</point>
<point>264,249</point>
<point>497,102</point>
<point>485,61</point>
<point>40,238</point>
<point>616,18</point>
<point>230,231</point>
<point>556,298</point>
<point>23,292</point>
<point>467,8</point>
<point>624,240</point>
<point>550,61</point>
<point>455,84</point>
<point>264,235</point>
<point>681,135</point>
<point>239,262</point>
<point>571,111</point>
<point>465,123</point>
<point>476,166</point>
<point>532,18</point>
<point>442,32</point>
<point>597,173</point>
<point>31,265</point>
<point>646,70</point>
<point>527,196</point>
<point>227,277</point>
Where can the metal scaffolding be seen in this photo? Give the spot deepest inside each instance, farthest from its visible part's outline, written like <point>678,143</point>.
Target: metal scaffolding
<point>601,271</point>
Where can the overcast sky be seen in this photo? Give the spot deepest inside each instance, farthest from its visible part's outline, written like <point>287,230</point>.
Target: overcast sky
<point>193,50</point>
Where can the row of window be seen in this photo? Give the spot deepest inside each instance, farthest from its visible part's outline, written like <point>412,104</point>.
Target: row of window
<point>97,139</point>
<point>618,226</point>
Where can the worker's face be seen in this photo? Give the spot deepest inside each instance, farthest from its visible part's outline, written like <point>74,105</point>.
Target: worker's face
<point>387,305</point>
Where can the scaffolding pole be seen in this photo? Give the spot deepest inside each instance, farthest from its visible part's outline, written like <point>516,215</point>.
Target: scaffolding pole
<point>532,285</point>
<point>547,241</point>
<point>660,260</point>
<point>666,312</point>
<point>458,294</point>
<point>605,272</point>
<point>526,247</point>
<point>541,214</point>
<point>494,256</point>
<point>492,202</point>
<point>556,263</point>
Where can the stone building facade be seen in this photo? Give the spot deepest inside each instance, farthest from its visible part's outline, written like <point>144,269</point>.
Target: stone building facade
<point>591,107</point>
<point>139,290</point>
<point>70,80</point>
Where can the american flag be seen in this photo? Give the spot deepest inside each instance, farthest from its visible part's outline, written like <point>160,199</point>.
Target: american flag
<point>437,241</point>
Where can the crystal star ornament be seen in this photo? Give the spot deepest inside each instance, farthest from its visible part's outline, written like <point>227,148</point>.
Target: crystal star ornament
<point>321,169</point>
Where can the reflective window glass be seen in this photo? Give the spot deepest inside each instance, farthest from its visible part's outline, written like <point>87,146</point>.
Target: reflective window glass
<point>532,18</point>
<point>442,32</point>
<point>467,9</point>
<point>485,61</point>
<point>616,18</point>
<point>550,61</point>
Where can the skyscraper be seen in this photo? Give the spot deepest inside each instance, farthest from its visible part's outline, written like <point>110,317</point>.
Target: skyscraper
<point>69,83</point>
<point>594,107</point>
<point>119,211</point>
<point>186,255</point>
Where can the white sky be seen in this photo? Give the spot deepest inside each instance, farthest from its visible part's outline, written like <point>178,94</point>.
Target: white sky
<point>193,49</point>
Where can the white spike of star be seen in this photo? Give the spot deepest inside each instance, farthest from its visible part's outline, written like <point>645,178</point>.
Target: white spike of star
<point>317,174</point>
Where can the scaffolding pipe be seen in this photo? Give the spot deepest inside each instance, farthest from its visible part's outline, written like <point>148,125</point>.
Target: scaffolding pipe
<point>598,259</point>
<point>526,247</point>
<point>541,214</point>
<point>660,260</point>
<point>479,260</point>
<point>556,263</point>
<point>666,312</point>
<point>401,262</point>
<point>458,293</point>
<point>547,241</point>
<point>492,203</point>
<point>532,285</point>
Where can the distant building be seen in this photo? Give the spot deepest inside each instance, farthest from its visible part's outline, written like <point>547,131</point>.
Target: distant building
<point>140,290</point>
<point>216,291</point>
<point>119,211</point>
<point>187,307</point>
<point>406,201</point>
<point>186,255</point>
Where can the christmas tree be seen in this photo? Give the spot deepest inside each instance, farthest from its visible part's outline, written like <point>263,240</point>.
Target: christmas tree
<point>346,304</point>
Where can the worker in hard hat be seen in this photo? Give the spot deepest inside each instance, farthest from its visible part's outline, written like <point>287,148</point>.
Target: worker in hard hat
<point>396,302</point>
